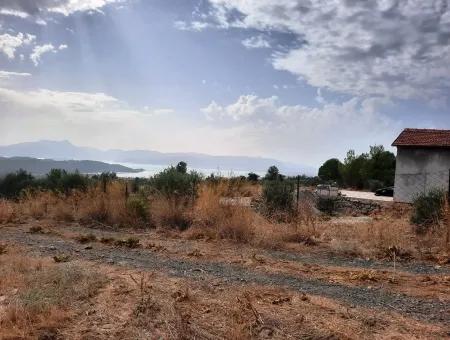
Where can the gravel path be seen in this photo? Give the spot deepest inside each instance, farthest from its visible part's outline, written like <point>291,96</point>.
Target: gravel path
<point>420,309</point>
<point>341,261</point>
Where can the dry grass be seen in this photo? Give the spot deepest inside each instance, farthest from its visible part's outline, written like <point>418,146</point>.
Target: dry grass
<point>38,295</point>
<point>7,212</point>
<point>90,207</point>
<point>210,216</point>
<point>221,221</point>
<point>171,212</point>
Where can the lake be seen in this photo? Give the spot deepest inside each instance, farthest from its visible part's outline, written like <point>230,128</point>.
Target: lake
<point>152,169</point>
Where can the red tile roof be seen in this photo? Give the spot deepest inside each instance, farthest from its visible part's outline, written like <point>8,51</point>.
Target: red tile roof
<point>423,138</point>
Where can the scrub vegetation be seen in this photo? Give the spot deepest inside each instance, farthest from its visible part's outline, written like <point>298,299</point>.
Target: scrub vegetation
<point>179,255</point>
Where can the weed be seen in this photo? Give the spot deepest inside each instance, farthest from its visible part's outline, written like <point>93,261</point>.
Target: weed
<point>83,239</point>
<point>107,240</point>
<point>36,230</point>
<point>3,249</point>
<point>130,242</point>
<point>428,210</point>
<point>61,258</point>
<point>7,213</point>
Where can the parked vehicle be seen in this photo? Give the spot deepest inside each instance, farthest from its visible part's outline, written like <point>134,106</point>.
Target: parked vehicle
<point>389,192</point>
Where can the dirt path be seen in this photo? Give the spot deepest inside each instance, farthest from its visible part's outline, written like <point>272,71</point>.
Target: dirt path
<point>421,309</point>
<point>329,259</point>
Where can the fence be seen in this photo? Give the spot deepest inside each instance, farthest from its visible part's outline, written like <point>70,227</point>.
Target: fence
<point>407,186</point>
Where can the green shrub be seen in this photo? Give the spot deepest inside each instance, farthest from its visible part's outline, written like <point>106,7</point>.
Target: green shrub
<point>63,181</point>
<point>278,195</point>
<point>174,183</point>
<point>252,177</point>
<point>12,185</point>
<point>428,209</point>
<point>138,207</point>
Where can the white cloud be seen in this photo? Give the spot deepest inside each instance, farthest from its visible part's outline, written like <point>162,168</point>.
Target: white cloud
<point>80,107</point>
<point>64,7</point>
<point>256,42</point>
<point>100,120</point>
<point>157,112</point>
<point>9,75</point>
<point>319,97</point>
<point>10,43</point>
<point>309,133</point>
<point>194,26</point>
<point>14,13</point>
<point>391,48</point>
<point>40,50</point>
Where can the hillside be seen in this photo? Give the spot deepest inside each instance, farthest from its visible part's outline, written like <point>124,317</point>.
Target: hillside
<point>64,150</point>
<point>43,166</point>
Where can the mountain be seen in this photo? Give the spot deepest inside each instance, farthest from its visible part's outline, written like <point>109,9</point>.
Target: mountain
<point>43,166</point>
<point>64,150</point>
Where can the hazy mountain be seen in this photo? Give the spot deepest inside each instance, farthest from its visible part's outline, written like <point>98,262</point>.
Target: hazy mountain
<point>64,150</point>
<point>43,166</point>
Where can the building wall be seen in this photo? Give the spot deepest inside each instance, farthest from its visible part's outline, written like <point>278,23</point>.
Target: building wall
<point>420,170</point>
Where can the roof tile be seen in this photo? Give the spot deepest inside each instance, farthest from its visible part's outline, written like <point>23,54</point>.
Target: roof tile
<point>423,138</point>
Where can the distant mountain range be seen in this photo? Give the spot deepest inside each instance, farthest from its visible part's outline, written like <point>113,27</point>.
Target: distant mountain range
<point>40,167</point>
<point>64,150</point>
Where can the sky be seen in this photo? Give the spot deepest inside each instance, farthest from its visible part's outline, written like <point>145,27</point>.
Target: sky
<point>296,80</point>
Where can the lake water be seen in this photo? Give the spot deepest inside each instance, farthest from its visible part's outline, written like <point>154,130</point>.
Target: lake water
<point>151,169</point>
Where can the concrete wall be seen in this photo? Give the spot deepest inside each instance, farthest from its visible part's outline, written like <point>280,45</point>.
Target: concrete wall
<point>420,170</point>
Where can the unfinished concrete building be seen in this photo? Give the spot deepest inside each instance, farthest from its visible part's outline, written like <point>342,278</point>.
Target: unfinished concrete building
<point>423,162</point>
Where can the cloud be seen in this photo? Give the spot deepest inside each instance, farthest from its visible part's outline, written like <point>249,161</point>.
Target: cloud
<point>256,42</point>
<point>310,133</point>
<point>394,48</point>
<point>10,75</point>
<point>194,26</point>
<point>10,43</point>
<point>64,7</point>
<point>14,13</point>
<point>71,106</point>
<point>40,50</point>
<point>101,120</point>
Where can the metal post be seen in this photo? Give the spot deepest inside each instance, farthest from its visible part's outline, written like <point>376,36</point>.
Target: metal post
<point>298,191</point>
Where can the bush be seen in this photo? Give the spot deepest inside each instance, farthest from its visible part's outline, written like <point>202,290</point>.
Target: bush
<point>171,212</point>
<point>174,183</point>
<point>428,209</point>
<point>252,177</point>
<point>138,207</point>
<point>278,196</point>
<point>12,185</point>
<point>61,180</point>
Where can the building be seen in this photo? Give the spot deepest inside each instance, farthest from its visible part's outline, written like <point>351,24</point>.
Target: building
<point>423,162</point>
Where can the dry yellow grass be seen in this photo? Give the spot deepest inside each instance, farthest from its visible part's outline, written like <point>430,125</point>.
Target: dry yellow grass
<point>212,217</point>
<point>37,295</point>
<point>7,211</point>
<point>218,220</point>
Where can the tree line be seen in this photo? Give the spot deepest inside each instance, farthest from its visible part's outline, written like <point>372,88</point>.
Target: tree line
<point>372,170</point>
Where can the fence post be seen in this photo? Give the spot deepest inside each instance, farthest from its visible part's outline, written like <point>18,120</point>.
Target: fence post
<point>448,192</point>
<point>127,194</point>
<point>298,190</point>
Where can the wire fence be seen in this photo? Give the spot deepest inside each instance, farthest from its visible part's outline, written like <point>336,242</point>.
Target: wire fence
<point>407,186</point>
